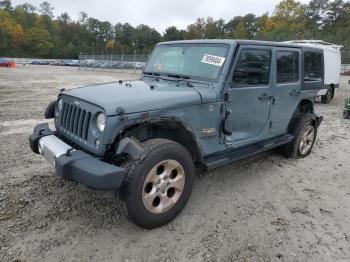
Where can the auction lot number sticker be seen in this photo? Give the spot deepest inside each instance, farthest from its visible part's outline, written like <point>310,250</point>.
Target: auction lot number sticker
<point>213,60</point>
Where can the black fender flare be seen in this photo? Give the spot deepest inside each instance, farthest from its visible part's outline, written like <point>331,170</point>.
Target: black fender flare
<point>149,120</point>
<point>50,110</point>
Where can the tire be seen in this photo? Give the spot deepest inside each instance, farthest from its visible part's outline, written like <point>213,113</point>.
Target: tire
<point>327,98</point>
<point>147,192</point>
<point>303,125</point>
<point>346,114</point>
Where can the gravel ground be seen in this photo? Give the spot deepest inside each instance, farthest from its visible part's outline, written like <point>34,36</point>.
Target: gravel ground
<point>265,208</point>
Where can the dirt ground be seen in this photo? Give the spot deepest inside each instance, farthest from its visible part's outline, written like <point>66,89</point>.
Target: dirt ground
<point>265,208</point>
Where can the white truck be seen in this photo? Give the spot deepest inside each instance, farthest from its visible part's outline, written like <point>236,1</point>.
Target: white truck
<point>332,65</point>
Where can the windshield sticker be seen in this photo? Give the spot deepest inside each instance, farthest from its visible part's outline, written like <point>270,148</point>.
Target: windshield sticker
<point>213,60</point>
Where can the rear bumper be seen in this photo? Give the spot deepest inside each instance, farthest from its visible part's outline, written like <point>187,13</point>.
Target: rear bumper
<point>75,165</point>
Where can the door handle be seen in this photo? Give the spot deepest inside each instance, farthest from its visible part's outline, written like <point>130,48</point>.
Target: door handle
<point>264,97</point>
<point>295,93</point>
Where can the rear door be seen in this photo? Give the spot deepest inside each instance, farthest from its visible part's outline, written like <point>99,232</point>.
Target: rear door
<point>286,88</point>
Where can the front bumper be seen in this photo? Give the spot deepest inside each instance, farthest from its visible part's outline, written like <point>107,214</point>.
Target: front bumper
<point>75,165</point>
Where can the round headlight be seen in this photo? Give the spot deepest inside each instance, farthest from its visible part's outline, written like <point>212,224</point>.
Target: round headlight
<point>59,105</point>
<point>101,122</point>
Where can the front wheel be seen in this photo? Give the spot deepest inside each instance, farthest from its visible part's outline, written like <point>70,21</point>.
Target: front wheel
<point>158,186</point>
<point>304,131</point>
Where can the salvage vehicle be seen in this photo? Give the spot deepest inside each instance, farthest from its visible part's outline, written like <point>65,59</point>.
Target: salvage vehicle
<point>331,69</point>
<point>198,104</point>
<point>7,63</point>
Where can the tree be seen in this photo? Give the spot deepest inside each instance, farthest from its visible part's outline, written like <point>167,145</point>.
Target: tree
<point>110,45</point>
<point>17,34</point>
<point>6,5</point>
<point>46,10</point>
<point>316,11</point>
<point>214,29</point>
<point>83,16</point>
<point>28,8</point>
<point>125,35</point>
<point>192,32</point>
<point>145,38</point>
<point>39,42</point>
<point>288,21</point>
<point>240,32</point>
<point>64,18</point>
<point>172,34</point>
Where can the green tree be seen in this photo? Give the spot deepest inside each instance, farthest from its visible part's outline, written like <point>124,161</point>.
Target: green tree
<point>172,34</point>
<point>240,32</point>
<point>17,34</point>
<point>214,29</point>
<point>39,42</point>
<point>64,18</point>
<point>288,21</point>
<point>83,16</point>
<point>46,10</point>
<point>192,32</point>
<point>6,5</point>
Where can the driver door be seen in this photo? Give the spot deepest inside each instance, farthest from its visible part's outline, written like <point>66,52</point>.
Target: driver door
<point>249,96</point>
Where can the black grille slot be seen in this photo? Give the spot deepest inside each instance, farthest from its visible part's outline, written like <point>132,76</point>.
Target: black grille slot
<point>75,120</point>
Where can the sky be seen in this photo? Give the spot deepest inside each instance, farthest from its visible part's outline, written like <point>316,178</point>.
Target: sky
<point>158,14</point>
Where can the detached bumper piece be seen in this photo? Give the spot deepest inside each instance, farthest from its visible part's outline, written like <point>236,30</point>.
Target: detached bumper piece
<point>319,120</point>
<point>75,165</point>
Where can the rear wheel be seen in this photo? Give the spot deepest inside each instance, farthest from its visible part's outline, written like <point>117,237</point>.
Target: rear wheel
<point>158,186</point>
<point>304,131</point>
<point>327,98</point>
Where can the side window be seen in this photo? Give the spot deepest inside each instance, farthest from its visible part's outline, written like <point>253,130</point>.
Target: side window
<point>287,66</point>
<point>312,66</point>
<point>252,68</point>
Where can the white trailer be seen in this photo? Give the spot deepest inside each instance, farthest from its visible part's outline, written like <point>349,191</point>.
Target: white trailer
<point>332,66</point>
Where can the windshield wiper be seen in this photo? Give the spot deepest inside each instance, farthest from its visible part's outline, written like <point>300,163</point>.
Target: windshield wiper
<point>151,73</point>
<point>178,76</point>
<point>181,77</point>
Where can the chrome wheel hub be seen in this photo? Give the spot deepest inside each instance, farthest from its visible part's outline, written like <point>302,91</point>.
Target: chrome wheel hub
<point>307,139</point>
<point>163,186</point>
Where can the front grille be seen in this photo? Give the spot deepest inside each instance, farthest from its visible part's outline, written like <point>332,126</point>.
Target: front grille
<point>75,120</point>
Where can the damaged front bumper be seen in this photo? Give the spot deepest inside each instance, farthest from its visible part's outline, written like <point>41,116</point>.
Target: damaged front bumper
<point>75,165</point>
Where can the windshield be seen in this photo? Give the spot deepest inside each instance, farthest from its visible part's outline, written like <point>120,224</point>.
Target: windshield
<point>197,61</point>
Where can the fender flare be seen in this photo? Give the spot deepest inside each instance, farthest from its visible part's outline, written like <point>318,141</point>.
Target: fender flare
<point>142,121</point>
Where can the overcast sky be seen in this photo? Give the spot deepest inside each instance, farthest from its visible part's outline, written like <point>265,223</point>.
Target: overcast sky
<point>158,13</point>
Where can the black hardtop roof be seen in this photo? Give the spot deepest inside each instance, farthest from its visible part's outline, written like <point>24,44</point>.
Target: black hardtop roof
<point>238,42</point>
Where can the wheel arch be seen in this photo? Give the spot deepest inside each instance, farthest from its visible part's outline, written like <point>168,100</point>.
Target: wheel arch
<point>173,129</point>
<point>305,106</point>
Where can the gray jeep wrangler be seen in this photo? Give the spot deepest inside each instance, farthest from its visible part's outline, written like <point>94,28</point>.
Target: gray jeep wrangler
<point>200,103</point>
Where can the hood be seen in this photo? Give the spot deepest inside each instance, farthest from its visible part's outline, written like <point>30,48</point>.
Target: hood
<point>137,96</point>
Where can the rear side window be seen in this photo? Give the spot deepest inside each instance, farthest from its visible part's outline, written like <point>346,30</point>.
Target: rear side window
<point>252,68</point>
<point>287,66</point>
<point>312,66</point>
